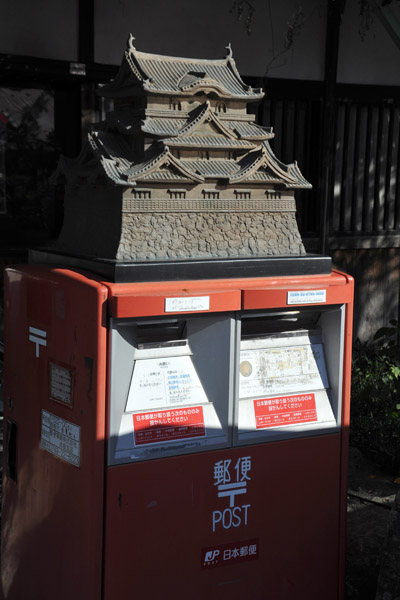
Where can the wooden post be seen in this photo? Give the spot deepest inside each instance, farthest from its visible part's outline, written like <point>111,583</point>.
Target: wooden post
<point>86,31</point>
<point>335,11</point>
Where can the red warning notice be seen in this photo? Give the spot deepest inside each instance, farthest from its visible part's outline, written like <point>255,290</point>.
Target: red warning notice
<point>285,410</point>
<point>168,425</point>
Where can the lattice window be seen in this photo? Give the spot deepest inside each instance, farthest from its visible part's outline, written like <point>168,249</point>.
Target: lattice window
<point>272,195</point>
<point>210,194</point>
<point>242,194</point>
<point>177,194</point>
<point>141,194</point>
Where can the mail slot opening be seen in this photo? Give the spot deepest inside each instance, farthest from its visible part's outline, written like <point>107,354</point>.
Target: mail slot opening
<point>256,324</point>
<point>153,332</point>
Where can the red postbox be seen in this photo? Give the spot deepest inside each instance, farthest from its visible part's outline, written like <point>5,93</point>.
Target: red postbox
<point>175,439</point>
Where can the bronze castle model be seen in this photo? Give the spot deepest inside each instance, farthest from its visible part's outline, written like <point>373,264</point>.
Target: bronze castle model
<point>179,169</point>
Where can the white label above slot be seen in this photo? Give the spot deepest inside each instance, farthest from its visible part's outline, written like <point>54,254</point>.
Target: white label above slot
<point>307,297</point>
<point>187,304</point>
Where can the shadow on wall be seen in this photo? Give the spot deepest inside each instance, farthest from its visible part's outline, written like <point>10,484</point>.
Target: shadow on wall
<point>377,279</point>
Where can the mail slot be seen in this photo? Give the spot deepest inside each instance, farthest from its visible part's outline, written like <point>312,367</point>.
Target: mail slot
<point>290,369</point>
<point>197,450</point>
<point>171,386</point>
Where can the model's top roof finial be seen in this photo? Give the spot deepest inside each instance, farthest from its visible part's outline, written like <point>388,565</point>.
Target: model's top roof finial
<point>130,45</point>
<point>229,53</point>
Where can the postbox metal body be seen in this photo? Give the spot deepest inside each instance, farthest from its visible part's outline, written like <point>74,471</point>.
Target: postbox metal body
<point>175,439</point>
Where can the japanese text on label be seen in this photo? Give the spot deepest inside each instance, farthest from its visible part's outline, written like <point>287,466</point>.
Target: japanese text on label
<point>230,553</point>
<point>187,304</point>
<point>61,438</point>
<point>61,380</point>
<point>307,297</point>
<point>168,425</point>
<point>164,382</point>
<point>285,410</point>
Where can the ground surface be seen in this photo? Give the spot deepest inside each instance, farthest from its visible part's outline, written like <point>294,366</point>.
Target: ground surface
<point>371,494</point>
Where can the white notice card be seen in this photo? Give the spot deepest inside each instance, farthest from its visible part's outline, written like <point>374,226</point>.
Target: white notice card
<point>164,382</point>
<point>282,370</point>
<point>61,438</point>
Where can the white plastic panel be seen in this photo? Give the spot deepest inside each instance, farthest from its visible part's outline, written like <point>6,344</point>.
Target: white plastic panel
<point>171,386</point>
<point>289,374</point>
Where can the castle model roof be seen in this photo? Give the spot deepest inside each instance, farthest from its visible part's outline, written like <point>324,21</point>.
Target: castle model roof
<point>170,75</point>
<point>192,129</point>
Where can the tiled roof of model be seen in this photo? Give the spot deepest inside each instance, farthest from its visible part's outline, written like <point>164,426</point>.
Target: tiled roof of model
<point>158,163</point>
<point>208,141</point>
<point>161,127</point>
<point>169,75</point>
<point>250,131</point>
<point>121,167</point>
<point>168,141</point>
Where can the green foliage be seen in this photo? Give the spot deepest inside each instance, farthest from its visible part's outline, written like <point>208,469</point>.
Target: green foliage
<point>375,412</point>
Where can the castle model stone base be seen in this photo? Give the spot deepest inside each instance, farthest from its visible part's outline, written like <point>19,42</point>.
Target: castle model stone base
<point>208,235</point>
<point>109,224</point>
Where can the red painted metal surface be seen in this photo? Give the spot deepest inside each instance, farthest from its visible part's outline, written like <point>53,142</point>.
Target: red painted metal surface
<point>159,518</point>
<point>272,293</point>
<point>159,513</point>
<point>149,303</point>
<point>285,542</point>
<point>144,299</point>
<point>52,534</point>
<point>346,391</point>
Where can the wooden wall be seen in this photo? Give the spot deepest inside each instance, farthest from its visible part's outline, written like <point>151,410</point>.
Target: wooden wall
<point>353,211</point>
<point>376,272</point>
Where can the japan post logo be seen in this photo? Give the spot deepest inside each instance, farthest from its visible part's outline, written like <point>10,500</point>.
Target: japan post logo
<point>39,338</point>
<point>231,553</point>
<point>231,479</point>
<point>210,557</point>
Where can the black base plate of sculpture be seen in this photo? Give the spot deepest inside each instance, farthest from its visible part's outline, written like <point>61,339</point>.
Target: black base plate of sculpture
<point>181,270</point>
